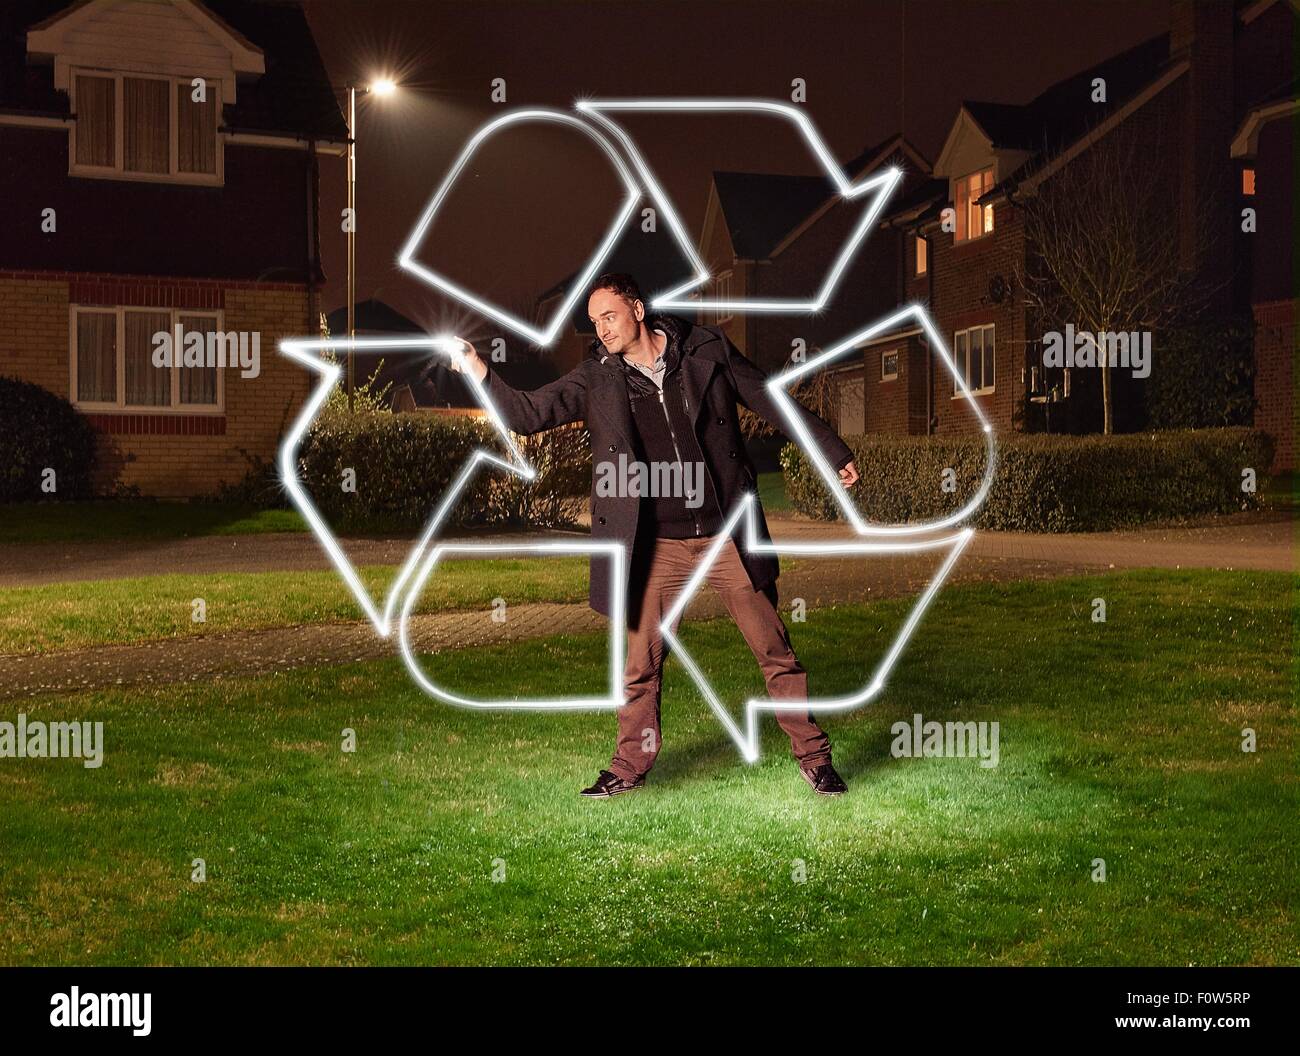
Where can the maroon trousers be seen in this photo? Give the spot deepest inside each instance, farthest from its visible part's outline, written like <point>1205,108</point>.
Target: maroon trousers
<point>669,565</point>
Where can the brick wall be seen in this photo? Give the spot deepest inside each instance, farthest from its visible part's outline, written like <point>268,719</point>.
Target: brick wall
<point>1276,343</point>
<point>957,287</point>
<point>165,455</point>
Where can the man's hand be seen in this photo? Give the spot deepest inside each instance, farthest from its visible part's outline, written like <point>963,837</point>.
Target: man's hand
<point>464,358</point>
<point>849,475</point>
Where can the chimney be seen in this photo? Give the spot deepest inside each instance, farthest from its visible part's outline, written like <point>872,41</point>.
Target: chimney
<point>1201,32</point>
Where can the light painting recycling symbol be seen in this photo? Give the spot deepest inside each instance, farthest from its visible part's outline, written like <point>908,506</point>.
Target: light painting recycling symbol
<point>393,611</point>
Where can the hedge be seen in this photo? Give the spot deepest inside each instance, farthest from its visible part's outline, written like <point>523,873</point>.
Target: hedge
<point>1044,483</point>
<point>40,431</point>
<point>405,463</point>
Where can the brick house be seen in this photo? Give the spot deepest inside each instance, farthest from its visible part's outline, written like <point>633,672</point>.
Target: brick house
<point>1218,89</point>
<point>1192,89</point>
<point>159,160</point>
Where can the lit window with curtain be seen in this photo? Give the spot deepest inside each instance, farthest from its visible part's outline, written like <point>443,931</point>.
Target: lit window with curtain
<point>113,360</point>
<point>973,220</point>
<point>146,385</point>
<point>97,357</point>
<point>96,121</point>
<point>144,127</point>
<point>198,385</point>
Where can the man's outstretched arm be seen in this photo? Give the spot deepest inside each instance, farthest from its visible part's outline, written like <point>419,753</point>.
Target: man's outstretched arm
<point>751,387</point>
<point>558,402</point>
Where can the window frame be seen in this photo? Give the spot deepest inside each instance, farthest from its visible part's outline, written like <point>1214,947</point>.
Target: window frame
<point>118,170</point>
<point>884,377</point>
<point>722,292</point>
<point>964,367</point>
<point>971,205</point>
<point>120,406</point>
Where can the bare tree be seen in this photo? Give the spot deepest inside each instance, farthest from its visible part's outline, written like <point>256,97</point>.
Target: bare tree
<point>815,391</point>
<point>1102,246</point>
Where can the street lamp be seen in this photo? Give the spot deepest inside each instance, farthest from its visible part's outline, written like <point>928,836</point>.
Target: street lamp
<point>381,87</point>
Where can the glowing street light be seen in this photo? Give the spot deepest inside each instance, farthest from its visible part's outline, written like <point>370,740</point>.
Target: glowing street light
<point>381,87</point>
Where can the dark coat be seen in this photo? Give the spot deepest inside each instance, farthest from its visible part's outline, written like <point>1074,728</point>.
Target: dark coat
<point>715,375</point>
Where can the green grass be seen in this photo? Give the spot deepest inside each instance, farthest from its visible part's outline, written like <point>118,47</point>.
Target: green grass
<point>771,492</point>
<point>63,522</point>
<point>118,611</point>
<point>1118,741</point>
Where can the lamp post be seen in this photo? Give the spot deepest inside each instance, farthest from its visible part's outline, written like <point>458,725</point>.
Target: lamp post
<point>380,87</point>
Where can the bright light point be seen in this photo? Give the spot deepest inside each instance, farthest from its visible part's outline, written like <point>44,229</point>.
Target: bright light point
<point>383,86</point>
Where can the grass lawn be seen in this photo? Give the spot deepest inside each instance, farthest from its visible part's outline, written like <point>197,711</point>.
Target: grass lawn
<point>1119,740</point>
<point>115,611</point>
<point>60,522</point>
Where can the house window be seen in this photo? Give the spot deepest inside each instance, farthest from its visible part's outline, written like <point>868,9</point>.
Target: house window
<point>972,352</point>
<point>889,365</point>
<point>145,128</point>
<point>113,367</point>
<point>973,220</point>
<point>922,255</point>
<point>1248,181</point>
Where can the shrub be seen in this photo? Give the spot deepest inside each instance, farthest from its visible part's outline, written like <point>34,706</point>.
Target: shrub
<point>39,430</point>
<point>405,464</point>
<point>1044,483</point>
<point>1204,376</point>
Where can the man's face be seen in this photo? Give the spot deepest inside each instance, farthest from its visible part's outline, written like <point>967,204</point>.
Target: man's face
<point>618,323</point>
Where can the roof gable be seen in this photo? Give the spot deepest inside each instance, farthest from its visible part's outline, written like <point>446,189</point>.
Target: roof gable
<point>1062,112</point>
<point>759,209</point>
<point>176,37</point>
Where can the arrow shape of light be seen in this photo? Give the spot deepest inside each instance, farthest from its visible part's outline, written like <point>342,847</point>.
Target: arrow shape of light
<point>884,183</point>
<point>415,572</point>
<point>538,336</point>
<point>746,739</point>
<point>906,538</point>
<point>778,385</point>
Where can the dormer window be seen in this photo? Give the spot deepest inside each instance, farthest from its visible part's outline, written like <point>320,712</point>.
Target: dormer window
<point>143,127</point>
<point>973,220</point>
<point>147,83</point>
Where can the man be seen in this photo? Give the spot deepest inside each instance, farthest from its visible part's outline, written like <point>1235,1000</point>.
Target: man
<point>661,391</point>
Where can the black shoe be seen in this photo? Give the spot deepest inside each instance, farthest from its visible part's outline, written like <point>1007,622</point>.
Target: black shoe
<point>610,784</point>
<point>824,780</point>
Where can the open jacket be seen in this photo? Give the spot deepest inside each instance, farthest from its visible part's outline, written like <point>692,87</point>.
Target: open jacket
<point>715,375</point>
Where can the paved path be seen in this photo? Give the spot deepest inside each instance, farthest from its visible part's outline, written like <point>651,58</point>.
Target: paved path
<point>1231,543</point>
<point>1254,541</point>
<point>819,581</point>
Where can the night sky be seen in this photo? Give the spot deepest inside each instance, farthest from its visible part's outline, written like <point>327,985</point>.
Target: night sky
<point>528,213</point>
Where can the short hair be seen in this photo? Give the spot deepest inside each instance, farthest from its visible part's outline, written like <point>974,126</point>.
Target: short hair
<point>621,283</point>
